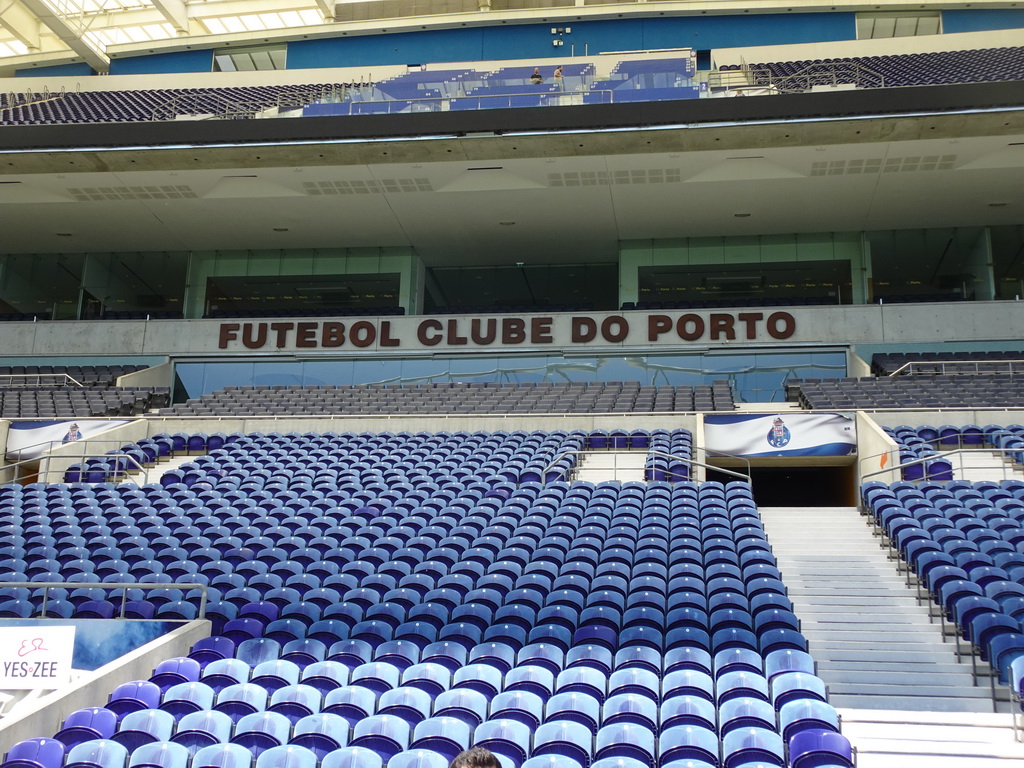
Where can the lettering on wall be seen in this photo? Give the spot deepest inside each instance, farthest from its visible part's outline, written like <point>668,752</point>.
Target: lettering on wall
<point>509,332</point>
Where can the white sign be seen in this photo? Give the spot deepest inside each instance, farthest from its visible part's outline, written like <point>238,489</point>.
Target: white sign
<point>36,657</point>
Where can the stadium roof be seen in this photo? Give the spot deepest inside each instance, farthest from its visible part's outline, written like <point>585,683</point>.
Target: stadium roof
<point>473,195</point>
<point>87,29</point>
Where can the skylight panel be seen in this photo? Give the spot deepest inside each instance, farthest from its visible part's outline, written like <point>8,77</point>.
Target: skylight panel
<point>214,26</point>
<point>12,48</point>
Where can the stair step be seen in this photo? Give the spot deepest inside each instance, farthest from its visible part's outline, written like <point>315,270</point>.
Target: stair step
<point>875,642</point>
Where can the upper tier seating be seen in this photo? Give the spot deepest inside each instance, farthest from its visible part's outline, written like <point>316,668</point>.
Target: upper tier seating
<point>366,611</point>
<point>42,375</point>
<point>937,68</point>
<point>156,104</point>
<point>45,391</point>
<point>483,397</point>
<point>985,391</point>
<point>887,363</point>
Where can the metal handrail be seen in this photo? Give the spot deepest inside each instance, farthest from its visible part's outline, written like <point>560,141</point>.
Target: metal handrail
<point>124,587</point>
<point>690,461</point>
<point>56,380</point>
<point>724,455</point>
<point>944,454</point>
<point>934,443</point>
<point>118,456</point>
<point>226,108</point>
<point>908,367</point>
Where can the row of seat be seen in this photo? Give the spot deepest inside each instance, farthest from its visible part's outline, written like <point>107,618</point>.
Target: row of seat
<point>460,398</point>
<point>887,363</point>
<point>507,609</point>
<point>932,392</point>
<point>966,546</point>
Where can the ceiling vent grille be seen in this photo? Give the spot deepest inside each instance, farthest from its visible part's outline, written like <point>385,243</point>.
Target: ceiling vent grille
<point>872,165</point>
<point>390,186</point>
<point>104,194</point>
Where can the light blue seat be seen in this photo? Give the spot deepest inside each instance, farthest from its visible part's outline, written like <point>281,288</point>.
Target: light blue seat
<point>97,753</point>
<point>321,733</point>
<point>160,754</point>
<point>446,736</point>
<point>384,734</point>
<point>198,730</point>
<point>352,757</point>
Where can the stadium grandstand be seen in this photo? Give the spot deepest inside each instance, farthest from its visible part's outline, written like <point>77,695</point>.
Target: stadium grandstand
<point>607,384</point>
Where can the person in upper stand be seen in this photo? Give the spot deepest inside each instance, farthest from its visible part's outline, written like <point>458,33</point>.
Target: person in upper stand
<point>560,78</point>
<point>536,78</point>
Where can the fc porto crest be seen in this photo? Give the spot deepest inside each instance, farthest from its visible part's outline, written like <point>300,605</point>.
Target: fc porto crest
<point>779,435</point>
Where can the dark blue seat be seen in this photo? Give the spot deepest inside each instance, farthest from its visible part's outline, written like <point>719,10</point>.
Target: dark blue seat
<point>86,725</point>
<point>815,748</point>
<point>36,753</point>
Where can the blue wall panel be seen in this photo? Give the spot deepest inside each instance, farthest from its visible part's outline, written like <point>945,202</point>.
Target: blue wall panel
<point>162,63</point>
<point>526,41</point>
<point>982,20</point>
<point>60,70</point>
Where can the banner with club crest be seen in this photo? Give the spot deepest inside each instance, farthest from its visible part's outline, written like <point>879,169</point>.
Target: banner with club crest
<point>780,434</point>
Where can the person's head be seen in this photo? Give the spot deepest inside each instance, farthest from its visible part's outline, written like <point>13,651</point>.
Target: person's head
<point>475,757</point>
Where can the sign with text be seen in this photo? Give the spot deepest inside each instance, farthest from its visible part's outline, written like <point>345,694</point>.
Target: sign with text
<point>785,434</point>
<point>507,332</point>
<point>35,657</point>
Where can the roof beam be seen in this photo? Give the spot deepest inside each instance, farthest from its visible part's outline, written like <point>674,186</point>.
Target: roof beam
<point>64,28</point>
<point>326,8</point>
<point>175,12</point>
<point>21,23</point>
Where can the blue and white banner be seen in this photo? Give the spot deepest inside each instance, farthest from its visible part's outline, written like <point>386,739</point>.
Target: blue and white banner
<point>780,434</point>
<point>31,439</point>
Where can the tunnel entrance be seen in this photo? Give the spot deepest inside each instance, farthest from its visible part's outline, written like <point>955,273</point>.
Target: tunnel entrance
<point>800,486</point>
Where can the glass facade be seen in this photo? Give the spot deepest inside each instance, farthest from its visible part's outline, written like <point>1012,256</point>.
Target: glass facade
<point>966,263</point>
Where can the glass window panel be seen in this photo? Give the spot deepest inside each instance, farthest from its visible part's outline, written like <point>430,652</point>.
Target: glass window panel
<point>906,27</point>
<point>45,285</point>
<point>884,27</point>
<point>139,283</point>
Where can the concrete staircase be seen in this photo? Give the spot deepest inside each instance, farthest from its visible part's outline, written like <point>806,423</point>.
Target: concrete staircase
<point>905,699</point>
<point>983,465</point>
<point>598,466</point>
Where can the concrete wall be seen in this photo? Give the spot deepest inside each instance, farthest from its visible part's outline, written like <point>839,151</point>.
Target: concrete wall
<point>7,474</point>
<point>875,450</point>
<point>880,47</point>
<point>46,717</point>
<point>857,366</point>
<point>154,376</point>
<point>843,325</point>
